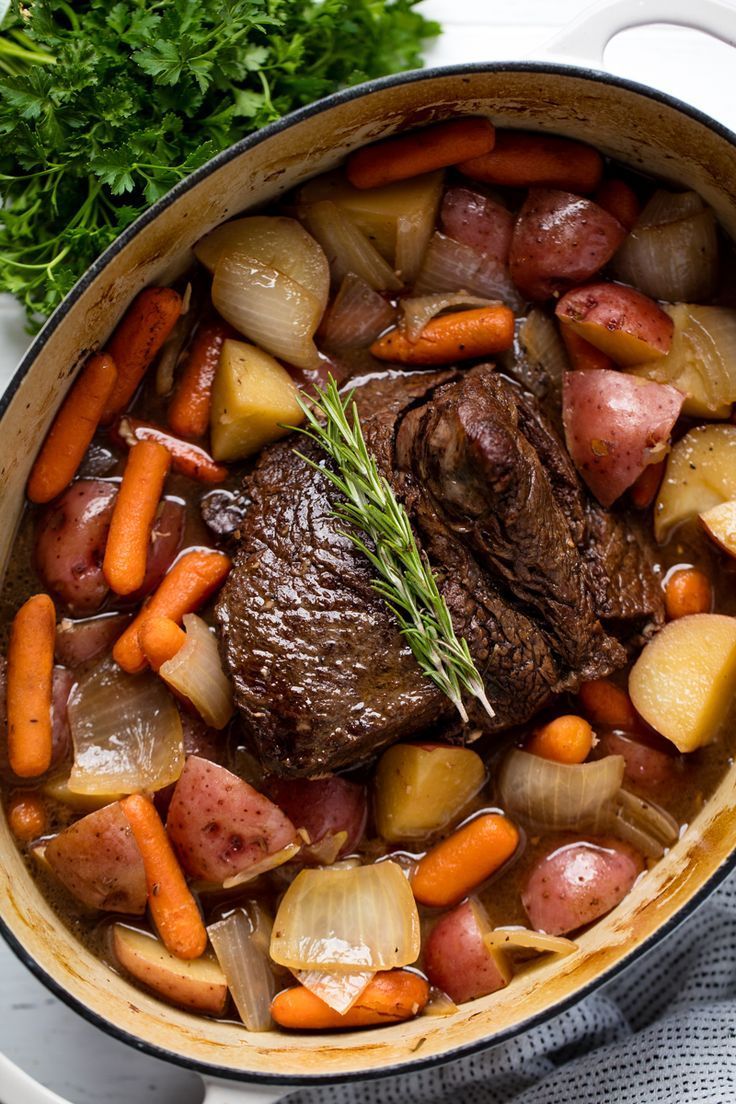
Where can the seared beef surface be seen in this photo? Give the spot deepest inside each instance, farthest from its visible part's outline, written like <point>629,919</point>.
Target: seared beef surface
<point>528,568</point>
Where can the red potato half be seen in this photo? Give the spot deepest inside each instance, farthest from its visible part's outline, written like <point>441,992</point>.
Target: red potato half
<point>457,960</point>
<point>79,642</point>
<point>98,860</point>
<point>648,767</point>
<point>579,882</point>
<point>70,545</point>
<point>219,825</point>
<point>323,807</point>
<point>559,240</point>
<point>477,221</point>
<point>166,538</point>
<point>620,321</point>
<point>615,426</point>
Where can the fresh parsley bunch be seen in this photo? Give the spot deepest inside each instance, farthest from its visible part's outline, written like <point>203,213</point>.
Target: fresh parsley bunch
<point>104,106</point>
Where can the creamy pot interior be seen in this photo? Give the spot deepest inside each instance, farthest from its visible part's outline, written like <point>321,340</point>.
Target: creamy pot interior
<point>621,122</point>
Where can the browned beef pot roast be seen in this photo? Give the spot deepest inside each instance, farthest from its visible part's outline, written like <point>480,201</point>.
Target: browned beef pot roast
<point>545,585</point>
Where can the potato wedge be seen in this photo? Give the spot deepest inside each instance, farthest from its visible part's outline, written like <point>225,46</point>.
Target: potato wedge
<point>253,398</point>
<point>396,217</point>
<point>720,524</point>
<point>683,682</point>
<point>700,474</point>
<point>198,984</point>
<point>420,788</point>
<point>618,320</point>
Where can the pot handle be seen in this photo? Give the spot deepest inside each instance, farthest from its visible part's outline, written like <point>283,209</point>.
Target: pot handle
<point>16,1087</point>
<point>585,39</point>
<point>230,1092</point>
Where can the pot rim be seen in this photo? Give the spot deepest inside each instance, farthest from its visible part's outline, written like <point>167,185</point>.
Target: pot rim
<point>559,68</point>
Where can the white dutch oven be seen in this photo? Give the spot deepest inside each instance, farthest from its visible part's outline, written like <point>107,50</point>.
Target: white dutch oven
<point>563,95</point>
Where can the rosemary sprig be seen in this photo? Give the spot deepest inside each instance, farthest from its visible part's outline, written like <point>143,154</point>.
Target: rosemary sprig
<point>404,578</point>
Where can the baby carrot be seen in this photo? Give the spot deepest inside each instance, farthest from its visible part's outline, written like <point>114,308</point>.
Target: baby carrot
<point>421,151</point>
<point>391,996</point>
<point>567,739</point>
<point>581,353</point>
<point>644,489</point>
<point>27,817</point>
<point>189,583</point>
<point>186,458</point>
<point>128,541</point>
<point>616,197</point>
<point>29,685</point>
<point>687,591</point>
<point>604,703</point>
<point>72,430</point>
<point>189,409</point>
<point>136,339</point>
<point>160,639</point>
<point>172,906</point>
<point>465,859</point>
<point>451,337</point>
<point>521,159</point>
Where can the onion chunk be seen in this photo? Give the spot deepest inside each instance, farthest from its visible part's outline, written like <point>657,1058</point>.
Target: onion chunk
<point>196,672</point>
<point>553,796</point>
<point>246,969</point>
<point>364,918</point>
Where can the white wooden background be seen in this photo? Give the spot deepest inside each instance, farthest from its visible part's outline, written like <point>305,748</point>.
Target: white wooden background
<point>36,1030</point>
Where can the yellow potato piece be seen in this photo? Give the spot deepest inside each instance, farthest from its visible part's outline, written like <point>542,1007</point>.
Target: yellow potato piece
<point>720,524</point>
<point>700,474</point>
<point>421,789</point>
<point>684,681</point>
<point>253,398</point>
<point>388,216</point>
<point>199,984</point>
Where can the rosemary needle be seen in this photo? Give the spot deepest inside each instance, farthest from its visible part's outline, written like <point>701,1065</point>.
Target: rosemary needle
<point>404,578</point>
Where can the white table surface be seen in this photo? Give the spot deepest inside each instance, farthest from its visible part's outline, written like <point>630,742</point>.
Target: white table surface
<point>37,1031</point>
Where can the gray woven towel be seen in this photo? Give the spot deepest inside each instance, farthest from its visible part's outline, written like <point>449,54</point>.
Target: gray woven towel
<point>663,1032</point>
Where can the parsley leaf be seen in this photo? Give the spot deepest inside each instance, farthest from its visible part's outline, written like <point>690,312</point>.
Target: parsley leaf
<point>103,107</point>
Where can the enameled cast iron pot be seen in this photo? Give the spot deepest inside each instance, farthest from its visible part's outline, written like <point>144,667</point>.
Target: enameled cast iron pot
<point>646,130</point>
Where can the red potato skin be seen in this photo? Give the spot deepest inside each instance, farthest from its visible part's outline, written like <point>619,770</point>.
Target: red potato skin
<point>219,825</point>
<point>198,739</point>
<point>456,959</point>
<point>79,642</point>
<point>98,861</point>
<point>323,806</point>
<point>578,882</point>
<point>70,545</point>
<point>559,240</point>
<point>612,422</point>
<point>646,766</point>
<point>607,312</point>
<point>477,221</point>
<point>61,737</point>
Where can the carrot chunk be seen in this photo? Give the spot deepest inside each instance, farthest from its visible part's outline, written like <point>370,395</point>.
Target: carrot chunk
<point>172,906</point>
<point>131,526</point>
<point>27,817</point>
<point>582,354</point>
<point>644,489</point>
<point>190,582</point>
<point>160,639</point>
<point>137,338</point>
<point>29,686</point>
<point>72,430</point>
<point>451,337</point>
<point>688,591</point>
<point>189,409</point>
<point>392,996</point>
<point>616,197</point>
<point>421,151</point>
<point>465,859</point>
<point>521,159</point>
<point>186,459</point>
<point>604,703</point>
<point>567,739</point>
